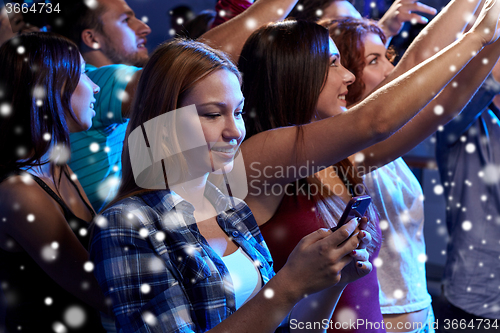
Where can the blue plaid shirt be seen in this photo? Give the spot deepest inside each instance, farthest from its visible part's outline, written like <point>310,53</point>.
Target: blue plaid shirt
<point>159,271</point>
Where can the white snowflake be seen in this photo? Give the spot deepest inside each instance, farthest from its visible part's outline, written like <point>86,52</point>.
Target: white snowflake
<point>466,225</point>
<point>269,293</point>
<point>60,154</point>
<point>88,266</point>
<point>359,157</point>
<point>48,253</point>
<point>145,288</point>
<point>149,318</point>
<point>383,224</point>
<point>470,148</point>
<point>101,221</point>
<point>422,257</point>
<point>490,174</point>
<point>94,147</point>
<point>74,316</point>
<point>143,232</point>
<point>398,294</point>
<point>92,4</point>
<point>157,265</point>
<point>438,189</point>
<point>346,315</point>
<point>59,327</point>
<point>160,236</point>
<point>251,24</point>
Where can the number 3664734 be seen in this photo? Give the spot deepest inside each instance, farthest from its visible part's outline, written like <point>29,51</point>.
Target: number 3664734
<point>37,7</point>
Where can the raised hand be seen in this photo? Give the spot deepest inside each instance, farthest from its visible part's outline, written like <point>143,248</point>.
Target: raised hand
<point>486,25</point>
<point>402,11</point>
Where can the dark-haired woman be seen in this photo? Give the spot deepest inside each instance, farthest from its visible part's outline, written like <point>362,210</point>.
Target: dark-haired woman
<point>291,77</point>
<point>47,283</point>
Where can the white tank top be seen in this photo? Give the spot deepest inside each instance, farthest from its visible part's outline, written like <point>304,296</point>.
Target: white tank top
<point>245,275</point>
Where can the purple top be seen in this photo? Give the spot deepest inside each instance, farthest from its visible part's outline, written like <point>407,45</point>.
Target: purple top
<point>359,303</point>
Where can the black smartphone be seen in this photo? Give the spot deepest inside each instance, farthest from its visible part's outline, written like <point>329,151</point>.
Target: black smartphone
<point>356,207</point>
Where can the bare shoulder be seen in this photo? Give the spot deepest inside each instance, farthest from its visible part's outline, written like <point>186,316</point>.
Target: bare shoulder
<point>22,199</point>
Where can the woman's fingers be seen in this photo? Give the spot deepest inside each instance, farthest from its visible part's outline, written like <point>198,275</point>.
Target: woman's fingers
<point>314,237</point>
<point>343,233</point>
<point>363,268</point>
<point>360,255</point>
<point>364,238</point>
<point>421,8</point>
<point>363,224</point>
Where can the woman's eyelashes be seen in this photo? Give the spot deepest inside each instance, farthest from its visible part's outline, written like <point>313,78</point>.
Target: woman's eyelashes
<point>237,114</point>
<point>211,115</point>
<point>373,61</point>
<point>334,62</point>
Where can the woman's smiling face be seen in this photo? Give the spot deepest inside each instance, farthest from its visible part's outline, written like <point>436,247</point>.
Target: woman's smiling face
<point>331,100</point>
<point>219,102</point>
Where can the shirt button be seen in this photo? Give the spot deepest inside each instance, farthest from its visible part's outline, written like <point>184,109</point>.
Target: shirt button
<point>235,234</point>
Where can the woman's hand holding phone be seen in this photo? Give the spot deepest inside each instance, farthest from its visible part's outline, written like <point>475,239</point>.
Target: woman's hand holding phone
<point>319,260</point>
<point>360,266</point>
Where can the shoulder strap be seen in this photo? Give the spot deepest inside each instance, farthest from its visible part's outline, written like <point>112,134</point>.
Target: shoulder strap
<point>67,212</point>
<point>80,193</point>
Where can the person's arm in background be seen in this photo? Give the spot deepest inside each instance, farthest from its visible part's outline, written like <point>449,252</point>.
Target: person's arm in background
<point>12,24</point>
<point>376,118</point>
<point>448,104</point>
<point>452,131</point>
<point>6,32</point>
<point>232,35</point>
<point>438,34</point>
<point>402,11</point>
<point>227,9</point>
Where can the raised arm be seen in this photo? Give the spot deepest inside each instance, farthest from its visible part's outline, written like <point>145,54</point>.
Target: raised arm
<point>402,11</point>
<point>330,140</point>
<point>231,35</point>
<point>439,111</point>
<point>438,34</point>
